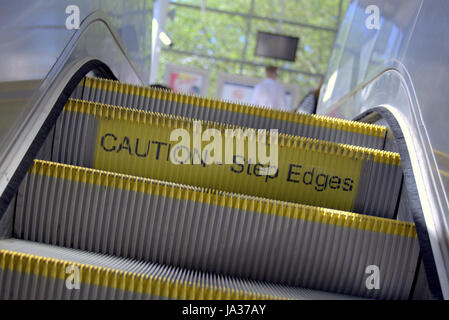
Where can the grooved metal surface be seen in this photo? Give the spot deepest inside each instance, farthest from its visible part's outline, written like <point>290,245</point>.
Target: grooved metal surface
<point>7,221</point>
<point>210,109</point>
<point>379,190</point>
<point>288,244</point>
<point>31,270</point>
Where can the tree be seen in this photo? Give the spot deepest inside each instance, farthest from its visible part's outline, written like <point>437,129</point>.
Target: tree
<point>218,40</point>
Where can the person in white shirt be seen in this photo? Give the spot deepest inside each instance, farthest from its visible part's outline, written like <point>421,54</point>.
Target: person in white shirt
<point>270,93</point>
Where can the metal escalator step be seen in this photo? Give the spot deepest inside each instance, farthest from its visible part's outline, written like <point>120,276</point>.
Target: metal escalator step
<point>215,231</point>
<point>37,271</point>
<point>209,109</point>
<point>309,171</point>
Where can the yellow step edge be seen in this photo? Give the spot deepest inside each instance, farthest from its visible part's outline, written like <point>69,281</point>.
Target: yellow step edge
<point>116,279</point>
<point>146,117</point>
<point>226,199</point>
<point>314,120</point>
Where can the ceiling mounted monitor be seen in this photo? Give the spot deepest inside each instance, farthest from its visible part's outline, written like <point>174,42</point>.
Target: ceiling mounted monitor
<point>276,46</point>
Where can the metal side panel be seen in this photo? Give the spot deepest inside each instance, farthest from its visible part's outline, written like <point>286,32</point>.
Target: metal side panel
<point>402,66</point>
<point>419,197</point>
<point>7,221</point>
<point>94,45</point>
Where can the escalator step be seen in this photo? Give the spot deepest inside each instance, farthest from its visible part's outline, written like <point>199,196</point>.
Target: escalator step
<point>215,231</point>
<point>209,109</point>
<point>37,271</point>
<point>310,171</point>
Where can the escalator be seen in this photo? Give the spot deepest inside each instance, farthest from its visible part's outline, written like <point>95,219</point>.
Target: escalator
<point>113,198</point>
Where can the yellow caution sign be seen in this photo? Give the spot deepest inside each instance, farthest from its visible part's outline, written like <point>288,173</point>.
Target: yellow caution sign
<point>152,145</point>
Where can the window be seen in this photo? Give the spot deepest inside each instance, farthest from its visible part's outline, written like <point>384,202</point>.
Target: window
<point>221,36</point>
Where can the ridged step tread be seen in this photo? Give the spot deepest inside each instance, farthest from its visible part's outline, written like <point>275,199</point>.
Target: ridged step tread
<point>215,231</point>
<point>210,109</point>
<point>30,270</point>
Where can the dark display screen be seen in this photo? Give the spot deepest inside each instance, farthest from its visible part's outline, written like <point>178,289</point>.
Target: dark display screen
<point>276,46</point>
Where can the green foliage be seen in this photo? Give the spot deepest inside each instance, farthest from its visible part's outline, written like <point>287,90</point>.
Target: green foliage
<point>212,34</point>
